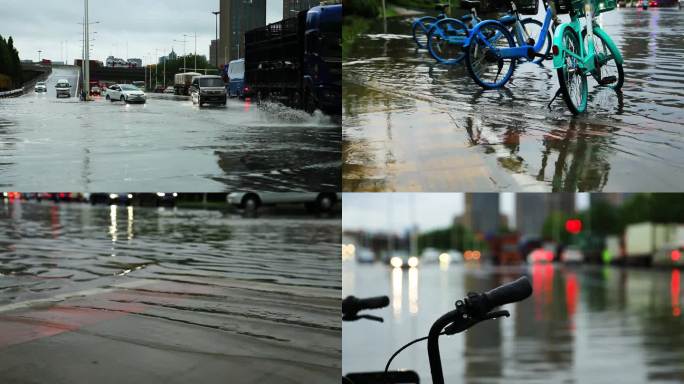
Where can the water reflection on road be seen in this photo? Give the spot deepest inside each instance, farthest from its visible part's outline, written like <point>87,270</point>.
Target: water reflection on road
<point>410,124</point>
<point>585,324</point>
<point>217,292</point>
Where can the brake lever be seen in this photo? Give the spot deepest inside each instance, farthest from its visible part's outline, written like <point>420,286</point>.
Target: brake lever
<point>467,322</point>
<point>360,317</point>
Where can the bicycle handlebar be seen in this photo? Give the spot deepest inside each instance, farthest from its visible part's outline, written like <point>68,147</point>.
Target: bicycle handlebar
<point>512,292</point>
<point>352,305</point>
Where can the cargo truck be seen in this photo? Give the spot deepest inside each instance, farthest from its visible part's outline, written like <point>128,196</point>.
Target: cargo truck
<point>643,240</point>
<point>298,61</point>
<point>182,81</point>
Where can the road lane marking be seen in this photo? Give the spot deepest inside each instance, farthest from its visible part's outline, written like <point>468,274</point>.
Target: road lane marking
<point>65,296</point>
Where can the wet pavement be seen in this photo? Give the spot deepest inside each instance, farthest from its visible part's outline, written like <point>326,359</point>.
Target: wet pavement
<point>99,294</point>
<point>167,144</point>
<point>584,324</point>
<point>413,125</point>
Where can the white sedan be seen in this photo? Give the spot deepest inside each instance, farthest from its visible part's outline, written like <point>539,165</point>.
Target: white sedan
<point>126,93</point>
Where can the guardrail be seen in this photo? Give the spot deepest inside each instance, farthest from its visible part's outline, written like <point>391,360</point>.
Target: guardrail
<point>14,93</point>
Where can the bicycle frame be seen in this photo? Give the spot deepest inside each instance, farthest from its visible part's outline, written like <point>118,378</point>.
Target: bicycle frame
<point>524,50</point>
<point>586,60</point>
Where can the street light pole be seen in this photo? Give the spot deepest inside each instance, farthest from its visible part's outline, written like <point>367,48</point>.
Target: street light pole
<point>216,13</point>
<point>195,51</point>
<point>156,67</point>
<point>39,52</point>
<point>86,53</point>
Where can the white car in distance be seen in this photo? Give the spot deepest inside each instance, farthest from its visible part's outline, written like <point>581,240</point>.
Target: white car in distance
<point>126,93</point>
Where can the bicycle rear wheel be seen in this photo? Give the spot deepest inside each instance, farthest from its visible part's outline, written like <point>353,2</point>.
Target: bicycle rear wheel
<point>573,83</point>
<point>445,41</point>
<point>607,64</point>
<point>420,29</point>
<point>485,66</point>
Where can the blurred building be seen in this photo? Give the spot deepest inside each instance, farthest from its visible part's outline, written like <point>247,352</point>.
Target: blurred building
<point>213,48</point>
<point>237,17</point>
<point>532,209</point>
<point>292,7</point>
<point>482,213</point>
<point>614,199</point>
<point>135,63</point>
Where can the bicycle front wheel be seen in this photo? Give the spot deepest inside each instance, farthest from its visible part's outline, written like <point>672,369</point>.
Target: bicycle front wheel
<point>533,28</point>
<point>421,27</point>
<point>606,63</point>
<point>573,83</point>
<point>483,60</point>
<point>445,41</point>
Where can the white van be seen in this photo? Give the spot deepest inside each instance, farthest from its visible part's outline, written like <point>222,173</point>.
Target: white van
<point>236,74</point>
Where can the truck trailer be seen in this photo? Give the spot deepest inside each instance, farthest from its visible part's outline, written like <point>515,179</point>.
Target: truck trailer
<point>298,61</point>
<point>182,81</point>
<point>643,240</point>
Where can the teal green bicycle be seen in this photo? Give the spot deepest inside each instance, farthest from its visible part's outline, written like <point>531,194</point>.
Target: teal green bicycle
<point>580,52</point>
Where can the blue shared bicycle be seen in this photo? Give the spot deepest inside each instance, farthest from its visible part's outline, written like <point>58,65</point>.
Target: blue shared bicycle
<point>448,37</point>
<point>493,48</point>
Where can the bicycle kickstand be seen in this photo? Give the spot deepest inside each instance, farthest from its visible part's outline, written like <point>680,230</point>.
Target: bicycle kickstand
<point>558,91</point>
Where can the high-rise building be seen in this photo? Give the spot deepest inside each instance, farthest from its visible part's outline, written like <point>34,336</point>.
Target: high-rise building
<point>614,199</point>
<point>532,209</point>
<point>482,213</point>
<point>237,17</point>
<point>291,7</point>
<point>213,48</point>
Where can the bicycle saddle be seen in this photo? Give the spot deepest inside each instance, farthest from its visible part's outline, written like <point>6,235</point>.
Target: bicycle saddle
<point>441,7</point>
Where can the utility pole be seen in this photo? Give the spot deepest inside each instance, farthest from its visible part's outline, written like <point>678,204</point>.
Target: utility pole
<point>195,51</point>
<point>86,53</point>
<point>216,13</point>
<point>156,67</point>
<point>39,52</point>
<point>165,58</point>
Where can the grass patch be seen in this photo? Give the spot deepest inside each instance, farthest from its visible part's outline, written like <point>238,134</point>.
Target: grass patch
<point>352,27</point>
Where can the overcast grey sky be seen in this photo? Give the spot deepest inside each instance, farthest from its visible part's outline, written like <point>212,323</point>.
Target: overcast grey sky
<point>396,211</point>
<point>142,26</point>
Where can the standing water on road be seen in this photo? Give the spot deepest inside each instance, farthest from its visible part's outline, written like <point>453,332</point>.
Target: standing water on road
<point>412,124</point>
<point>587,324</point>
<point>167,144</point>
<point>200,294</point>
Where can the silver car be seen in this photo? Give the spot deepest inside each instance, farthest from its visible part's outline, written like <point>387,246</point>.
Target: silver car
<point>40,87</point>
<point>324,201</point>
<point>126,93</point>
<point>63,88</point>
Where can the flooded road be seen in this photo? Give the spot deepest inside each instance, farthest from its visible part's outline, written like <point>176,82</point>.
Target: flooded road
<point>413,125</point>
<point>129,294</point>
<point>167,144</point>
<point>587,324</point>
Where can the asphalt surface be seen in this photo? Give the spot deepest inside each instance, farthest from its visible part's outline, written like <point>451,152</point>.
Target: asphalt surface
<point>128,294</point>
<point>582,324</point>
<point>167,144</point>
<point>411,124</point>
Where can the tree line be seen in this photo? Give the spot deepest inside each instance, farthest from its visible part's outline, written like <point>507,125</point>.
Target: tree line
<point>10,65</point>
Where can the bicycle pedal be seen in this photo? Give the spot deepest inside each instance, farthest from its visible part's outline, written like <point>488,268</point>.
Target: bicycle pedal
<point>607,80</point>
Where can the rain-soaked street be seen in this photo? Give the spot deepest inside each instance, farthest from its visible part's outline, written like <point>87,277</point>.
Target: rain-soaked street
<point>102,294</point>
<point>586,324</point>
<point>411,124</point>
<point>167,144</point>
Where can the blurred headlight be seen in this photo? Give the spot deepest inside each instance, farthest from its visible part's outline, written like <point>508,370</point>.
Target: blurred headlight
<point>396,262</point>
<point>113,196</point>
<point>445,258</point>
<point>413,262</point>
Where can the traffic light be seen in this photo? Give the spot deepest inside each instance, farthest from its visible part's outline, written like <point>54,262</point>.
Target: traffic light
<point>573,226</point>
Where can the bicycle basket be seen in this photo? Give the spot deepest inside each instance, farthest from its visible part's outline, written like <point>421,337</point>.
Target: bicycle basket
<point>563,7</point>
<point>599,6</point>
<point>527,7</point>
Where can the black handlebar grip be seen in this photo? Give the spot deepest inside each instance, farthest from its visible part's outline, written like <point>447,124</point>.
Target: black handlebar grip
<point>509,293</point>
<point>352,305</point>
<point>374,302</point>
